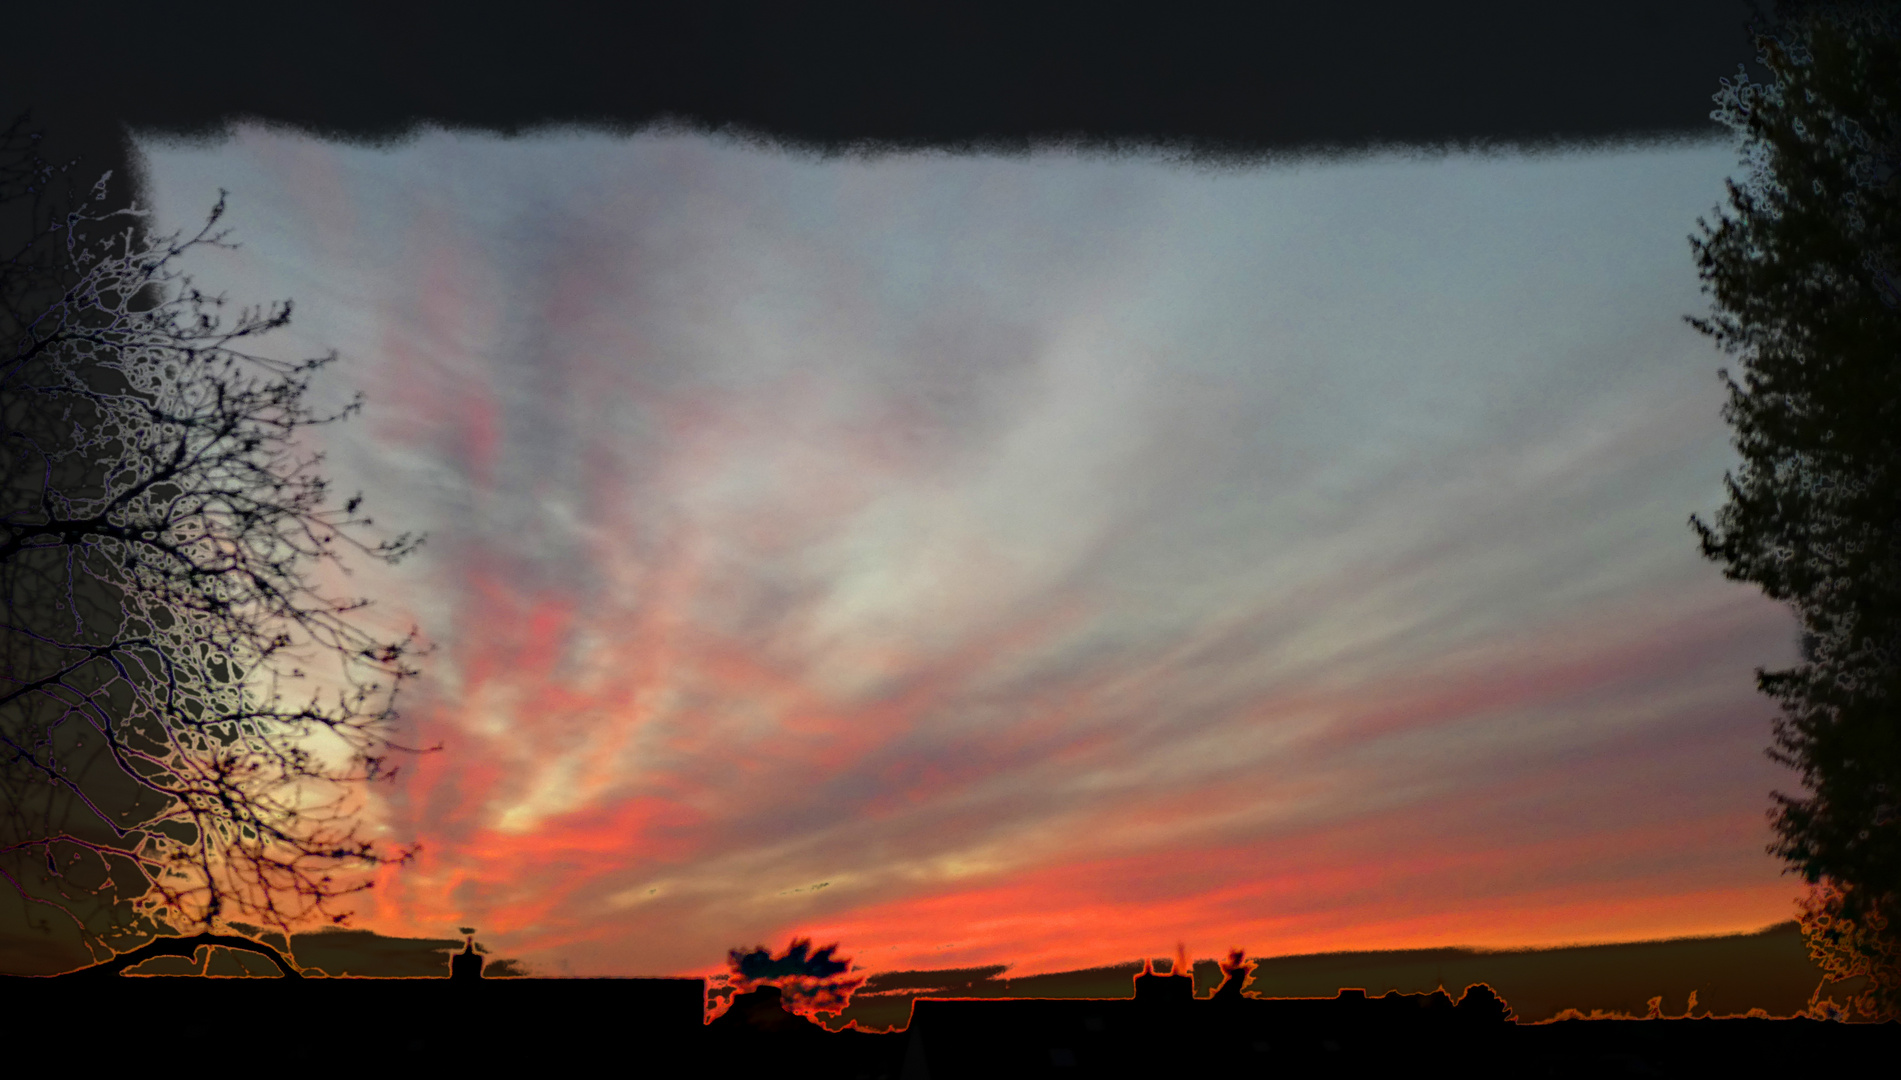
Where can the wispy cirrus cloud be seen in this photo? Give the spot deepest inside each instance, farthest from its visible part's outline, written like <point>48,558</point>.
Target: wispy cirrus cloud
<point>1034,560</point>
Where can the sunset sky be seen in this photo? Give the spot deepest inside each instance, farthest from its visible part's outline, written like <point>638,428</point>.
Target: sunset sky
<point>1037,560</point>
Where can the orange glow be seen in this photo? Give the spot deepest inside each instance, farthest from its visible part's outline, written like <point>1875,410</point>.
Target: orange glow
<point>707,681</point>
<point>560,789</point>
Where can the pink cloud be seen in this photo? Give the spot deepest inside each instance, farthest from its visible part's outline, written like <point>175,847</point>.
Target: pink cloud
<point>648,439</point>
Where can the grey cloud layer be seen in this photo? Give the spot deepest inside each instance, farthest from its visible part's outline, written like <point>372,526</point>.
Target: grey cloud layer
<point>1258,447</point>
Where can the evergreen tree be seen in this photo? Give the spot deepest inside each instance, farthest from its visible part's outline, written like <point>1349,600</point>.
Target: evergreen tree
<point>1802,271</point>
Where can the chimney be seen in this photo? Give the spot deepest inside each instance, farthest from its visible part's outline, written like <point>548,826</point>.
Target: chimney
<point>1163,989</point>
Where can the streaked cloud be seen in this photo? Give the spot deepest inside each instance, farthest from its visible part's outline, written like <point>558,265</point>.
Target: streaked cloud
<point>1053,557</point>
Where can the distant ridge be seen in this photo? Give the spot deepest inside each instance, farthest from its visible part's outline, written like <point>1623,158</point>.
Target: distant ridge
<point>1730,974</point>
<point>332,951</point>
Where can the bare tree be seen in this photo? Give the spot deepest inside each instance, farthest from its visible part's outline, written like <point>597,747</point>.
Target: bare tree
<point>186,713</point>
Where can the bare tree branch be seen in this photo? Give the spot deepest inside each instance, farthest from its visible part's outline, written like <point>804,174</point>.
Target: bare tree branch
<point>184,714</point>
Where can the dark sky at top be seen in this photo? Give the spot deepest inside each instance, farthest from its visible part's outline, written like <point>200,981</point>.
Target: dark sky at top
<point>1228,79</point>
<point>1439,417</point>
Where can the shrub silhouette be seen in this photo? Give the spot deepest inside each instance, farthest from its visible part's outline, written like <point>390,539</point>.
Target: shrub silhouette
<point>809,981</point>
<point>1482,1005</point>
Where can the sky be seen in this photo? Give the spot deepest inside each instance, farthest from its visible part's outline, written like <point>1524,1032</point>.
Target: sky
<point>1041,560</point>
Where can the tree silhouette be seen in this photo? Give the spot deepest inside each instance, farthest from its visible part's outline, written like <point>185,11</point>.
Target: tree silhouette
<point>183,710</point>
<point>1235,972</point>
<point>810,980</point>
<point>1802,271</point>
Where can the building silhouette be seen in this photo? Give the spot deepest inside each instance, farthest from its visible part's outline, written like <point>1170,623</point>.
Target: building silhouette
<point>466,966</point>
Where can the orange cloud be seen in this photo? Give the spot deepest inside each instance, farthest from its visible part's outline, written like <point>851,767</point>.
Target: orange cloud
<point>750,630</point>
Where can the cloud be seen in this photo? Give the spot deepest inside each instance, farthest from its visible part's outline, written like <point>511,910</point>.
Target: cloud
<point>1059,558</point>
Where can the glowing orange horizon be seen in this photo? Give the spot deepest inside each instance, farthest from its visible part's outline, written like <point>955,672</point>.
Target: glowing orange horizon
<point>770,608</point>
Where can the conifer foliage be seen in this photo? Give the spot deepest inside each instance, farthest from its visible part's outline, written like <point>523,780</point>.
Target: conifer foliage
<point>1804,270</point>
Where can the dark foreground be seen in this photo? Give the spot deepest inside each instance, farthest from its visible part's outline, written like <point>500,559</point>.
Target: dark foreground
<point>653,1026</point>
